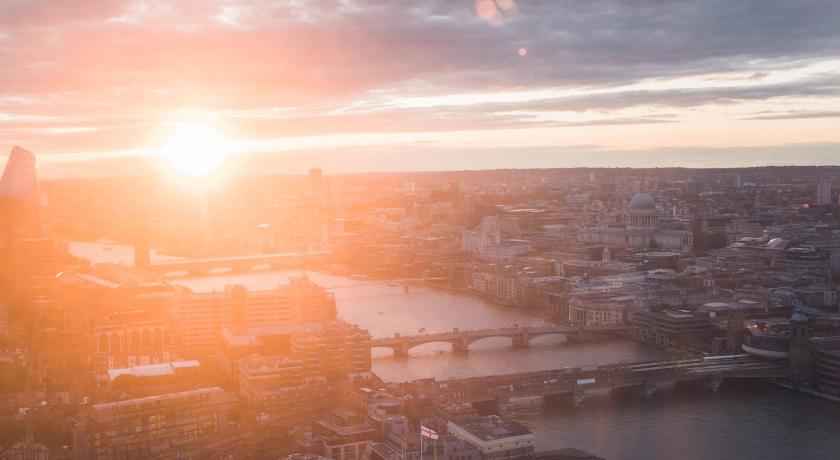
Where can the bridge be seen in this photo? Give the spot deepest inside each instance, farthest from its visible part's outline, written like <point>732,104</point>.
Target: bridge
<point>461,340</point>
<point>210,265</point>
<point>397,282</point>
<point>561,384</point>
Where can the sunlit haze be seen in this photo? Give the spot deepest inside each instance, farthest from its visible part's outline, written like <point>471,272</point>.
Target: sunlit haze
<point>419,229</point>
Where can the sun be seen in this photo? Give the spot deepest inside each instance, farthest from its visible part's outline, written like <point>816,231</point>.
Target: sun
<point>194,150</point>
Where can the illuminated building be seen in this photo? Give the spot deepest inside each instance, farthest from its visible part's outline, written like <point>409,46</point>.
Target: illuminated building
<point>200,317</point>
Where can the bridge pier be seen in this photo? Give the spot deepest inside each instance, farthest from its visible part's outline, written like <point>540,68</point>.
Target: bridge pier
<point>461,346</point>
<point>554,399</point>
<point>521,340</point>
<point>626,390</point>
<point>715,382</point>
<point>649,389</point>
<point>576,336</point>
<point>401,350</point>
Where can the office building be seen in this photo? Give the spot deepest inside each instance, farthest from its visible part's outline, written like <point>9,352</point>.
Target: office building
<point>200,317</point>
<point>166,425</point>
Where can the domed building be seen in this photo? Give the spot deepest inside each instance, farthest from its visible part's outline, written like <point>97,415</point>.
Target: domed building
<point>642,214</point>
<point>638,226</point>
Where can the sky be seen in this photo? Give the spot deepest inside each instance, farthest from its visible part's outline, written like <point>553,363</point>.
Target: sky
<point>96,87</point>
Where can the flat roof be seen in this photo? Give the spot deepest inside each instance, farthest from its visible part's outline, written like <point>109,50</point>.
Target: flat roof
<point>493,427</point>
<point>153,370</point>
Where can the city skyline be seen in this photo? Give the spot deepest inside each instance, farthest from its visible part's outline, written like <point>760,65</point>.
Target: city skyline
<point>430,229</point>
<point>380,86</point>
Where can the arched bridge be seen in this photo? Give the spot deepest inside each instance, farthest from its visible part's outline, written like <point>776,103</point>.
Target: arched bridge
<point>462,339</point>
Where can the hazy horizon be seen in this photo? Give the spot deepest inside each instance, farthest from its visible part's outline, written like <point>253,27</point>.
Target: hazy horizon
<point>353,161</point>
<point>371,86</point>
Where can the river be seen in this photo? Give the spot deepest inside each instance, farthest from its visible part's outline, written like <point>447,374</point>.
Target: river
<point>757,421</point>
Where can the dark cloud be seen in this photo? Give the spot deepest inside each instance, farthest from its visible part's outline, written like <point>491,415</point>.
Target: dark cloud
<point>327,47</point>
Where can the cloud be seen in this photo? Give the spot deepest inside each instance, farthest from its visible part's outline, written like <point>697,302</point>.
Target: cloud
<point>796,115</point>
<point>110,72</point>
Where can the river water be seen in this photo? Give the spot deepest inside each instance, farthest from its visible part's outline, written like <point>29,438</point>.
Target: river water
<point>758,421</point>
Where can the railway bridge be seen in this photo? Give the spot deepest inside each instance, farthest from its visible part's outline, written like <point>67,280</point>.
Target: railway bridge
<point>644,376</point>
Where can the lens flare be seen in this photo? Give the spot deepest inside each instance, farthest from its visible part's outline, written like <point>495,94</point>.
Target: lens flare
<point>194,150</point>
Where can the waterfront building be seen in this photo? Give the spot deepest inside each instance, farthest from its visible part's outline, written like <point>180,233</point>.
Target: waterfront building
<point>340,350</point>
<point>668,328</point>
<point>495,437</point>
<point>601,304</point>
<point>295,369</point>
<point>200,317</point>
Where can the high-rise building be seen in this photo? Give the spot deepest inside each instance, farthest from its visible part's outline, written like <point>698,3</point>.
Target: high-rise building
<point>4,320</point>
<point>19,201</point>
<point>823,192</point>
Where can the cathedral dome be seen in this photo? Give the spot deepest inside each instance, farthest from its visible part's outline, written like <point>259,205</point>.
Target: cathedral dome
<point>642,201</point>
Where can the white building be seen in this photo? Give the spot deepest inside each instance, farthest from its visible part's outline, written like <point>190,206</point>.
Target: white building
<point>487,234</point>
<point>486,241</point>
<point>495,437</point>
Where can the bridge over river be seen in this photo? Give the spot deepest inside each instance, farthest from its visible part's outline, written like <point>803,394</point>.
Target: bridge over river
<point>647,376</point>
<point>461,339</point>
<point>209,265</point>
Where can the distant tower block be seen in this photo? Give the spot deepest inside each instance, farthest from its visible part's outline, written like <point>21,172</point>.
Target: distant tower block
<point>823,192</point>
<point>315,183</point>
<point>315,176</point>
<point>19,185</point>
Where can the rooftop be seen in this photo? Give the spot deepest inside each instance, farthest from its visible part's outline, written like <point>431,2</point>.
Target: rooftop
<point>493,427</point>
